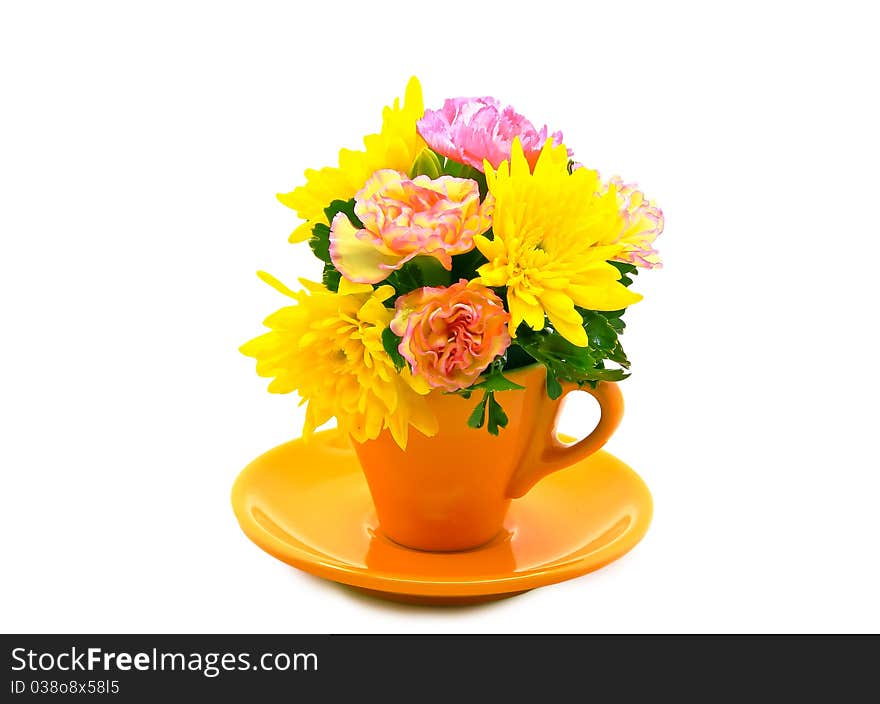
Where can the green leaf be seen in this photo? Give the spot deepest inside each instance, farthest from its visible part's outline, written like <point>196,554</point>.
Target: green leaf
<point>390,342</point>
<point>497,416</point>
<point>554,388</point>
<point>567,362</point>
<point>343,206</point>
<point>608,375</point>
<point>492,381</point>
<point>599,332</point>
<point>548,347</point>
<point>488,409</point>
<point>615,319</point>
<point>478,415</point>
<point>416,273</point>
<point>496,381</point>
<point>602,334</point>
<point>428,164</point>
<point>330,277</point>
<point>320,239</point>
<point>626,271</point>
<point>320,242</point>
<point>517,357</point>
<point>464,266</point>
<point>407,278</point>
<point>431,271</point>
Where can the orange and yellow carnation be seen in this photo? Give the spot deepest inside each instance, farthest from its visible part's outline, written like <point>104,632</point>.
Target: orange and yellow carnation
<point>403,218</point>
<point>452,334</point>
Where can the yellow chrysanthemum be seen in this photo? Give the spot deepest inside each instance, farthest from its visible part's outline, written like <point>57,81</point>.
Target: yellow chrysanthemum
<point>328,348</point>
<point>395,147</point>
<point>553,234</point>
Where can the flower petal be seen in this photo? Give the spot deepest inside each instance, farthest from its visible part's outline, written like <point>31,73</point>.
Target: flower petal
<point>355,254</point>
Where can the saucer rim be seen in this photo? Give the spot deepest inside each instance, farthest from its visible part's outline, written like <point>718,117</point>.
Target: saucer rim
<point>335,570</point>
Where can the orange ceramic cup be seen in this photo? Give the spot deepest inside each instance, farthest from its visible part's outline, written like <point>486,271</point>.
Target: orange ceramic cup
<point>452,491</point>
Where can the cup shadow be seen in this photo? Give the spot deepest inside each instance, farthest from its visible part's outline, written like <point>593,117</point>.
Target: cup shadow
<point>404,603</point>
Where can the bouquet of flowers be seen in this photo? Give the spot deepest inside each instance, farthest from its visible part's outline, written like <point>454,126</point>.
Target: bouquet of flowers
<point>460,243</point>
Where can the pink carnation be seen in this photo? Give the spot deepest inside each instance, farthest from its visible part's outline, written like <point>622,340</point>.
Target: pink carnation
<point>450,335</point>
<point>469,130</point>
<point>403,218</point>
<point>643,223</point>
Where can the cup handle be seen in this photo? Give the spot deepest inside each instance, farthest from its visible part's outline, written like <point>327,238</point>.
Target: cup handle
<point>546,453</point>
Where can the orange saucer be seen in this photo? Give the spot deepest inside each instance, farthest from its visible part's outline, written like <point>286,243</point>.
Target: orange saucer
<point>308,505</point>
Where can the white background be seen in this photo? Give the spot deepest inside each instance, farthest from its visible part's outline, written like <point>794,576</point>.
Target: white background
<point>141,147</point>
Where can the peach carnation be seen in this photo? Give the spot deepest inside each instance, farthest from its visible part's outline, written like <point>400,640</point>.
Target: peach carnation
<point>403,218</point>
<point>451,335</point>
<point>643,223</point>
